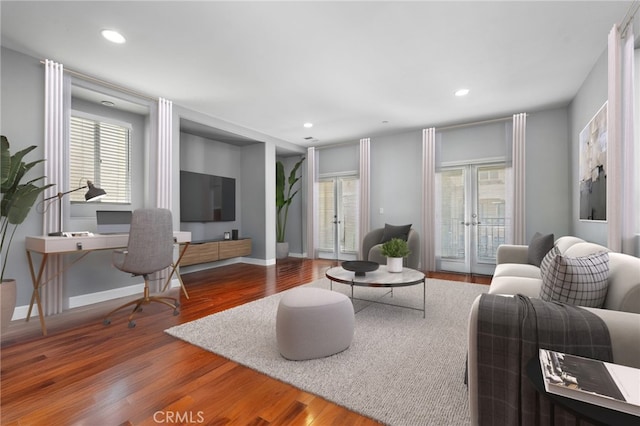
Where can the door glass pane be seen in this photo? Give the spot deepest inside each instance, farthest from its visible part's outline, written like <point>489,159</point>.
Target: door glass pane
<point>491,211</point>
<point>349,238</point>
<point>326,215</point>
<point>453,214</point>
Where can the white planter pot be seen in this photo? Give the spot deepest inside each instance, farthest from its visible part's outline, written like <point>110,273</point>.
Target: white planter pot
<point>282,250</point>
<point>394,264</point>
<point>7,303</point>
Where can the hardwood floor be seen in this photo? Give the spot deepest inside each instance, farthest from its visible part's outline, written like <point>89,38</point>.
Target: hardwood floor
<point>86,373</point>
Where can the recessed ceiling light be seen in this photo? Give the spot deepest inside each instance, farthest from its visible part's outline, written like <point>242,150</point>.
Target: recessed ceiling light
<point>308,125</point>
<point>107,103</point>
<point>462,92</point>
<point>113,36</point>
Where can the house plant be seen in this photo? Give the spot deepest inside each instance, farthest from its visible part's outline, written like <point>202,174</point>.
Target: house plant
<point>283,201</point>
<point>395,249</point>
<point>17,199</point>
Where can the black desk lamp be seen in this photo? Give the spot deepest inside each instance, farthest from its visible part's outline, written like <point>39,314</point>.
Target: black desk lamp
<point>92,194</point>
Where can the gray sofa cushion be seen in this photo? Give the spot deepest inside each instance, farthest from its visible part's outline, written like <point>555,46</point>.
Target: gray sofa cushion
<point>577,280</point>
<point>393,231</point>
<point>539,247</point>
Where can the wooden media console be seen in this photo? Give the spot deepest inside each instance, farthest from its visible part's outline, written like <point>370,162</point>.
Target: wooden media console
<point>211,251</point>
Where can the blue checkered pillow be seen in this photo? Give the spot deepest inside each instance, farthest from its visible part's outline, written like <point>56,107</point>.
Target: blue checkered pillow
<point>579,281</point>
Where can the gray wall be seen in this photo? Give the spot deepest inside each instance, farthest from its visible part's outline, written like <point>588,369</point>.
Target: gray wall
<point>22,122</point>
<point>396,172</point>
<point>294,231</point>
<point>396,169</point>
<point>201,155</point>
<point>590,98</point>
<point>81,279</point>
<point>548,204</point>
<point>339,159</point>
<point>258,197</point>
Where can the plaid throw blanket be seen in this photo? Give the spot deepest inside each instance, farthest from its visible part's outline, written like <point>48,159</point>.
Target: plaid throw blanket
<point>510,332</point>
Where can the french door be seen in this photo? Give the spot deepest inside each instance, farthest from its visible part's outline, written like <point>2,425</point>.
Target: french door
<point>338,217</point>
<point>472,217</point>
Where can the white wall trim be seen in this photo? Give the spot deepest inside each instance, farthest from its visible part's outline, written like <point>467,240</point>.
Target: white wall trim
<point>20,312</point>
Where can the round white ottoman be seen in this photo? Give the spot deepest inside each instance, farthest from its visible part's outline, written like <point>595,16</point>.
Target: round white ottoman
<point>313,323</point>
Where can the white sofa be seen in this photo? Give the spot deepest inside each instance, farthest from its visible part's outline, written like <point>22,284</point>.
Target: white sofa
<point>621,310</point>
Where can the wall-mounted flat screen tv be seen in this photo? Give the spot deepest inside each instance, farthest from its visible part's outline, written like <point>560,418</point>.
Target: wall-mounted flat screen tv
<point>207,198</point>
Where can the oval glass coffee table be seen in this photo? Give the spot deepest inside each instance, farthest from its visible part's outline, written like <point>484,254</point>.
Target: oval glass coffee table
<point>380,278</point>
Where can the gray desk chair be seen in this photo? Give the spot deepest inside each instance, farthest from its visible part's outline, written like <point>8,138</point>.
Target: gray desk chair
<point>149,250</point>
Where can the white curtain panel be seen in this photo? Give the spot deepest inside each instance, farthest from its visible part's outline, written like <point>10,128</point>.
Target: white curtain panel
<point>54,154</point>
<point>629,181</point>
<point>621,180</point>
<point>519,181</point>
<point>164,161</point>
<point>312,202</point>
<point>614,148</point>
<point>428,199</point>
<point>365,186</point>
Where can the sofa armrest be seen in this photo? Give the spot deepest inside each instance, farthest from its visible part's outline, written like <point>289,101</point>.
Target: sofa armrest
<point>371,239</point>
<point>512,253</point>
<point>624,331</point>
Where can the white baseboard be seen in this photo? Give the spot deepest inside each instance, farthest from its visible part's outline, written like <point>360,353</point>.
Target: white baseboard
<point>89,299</point>
<point>219,263</point>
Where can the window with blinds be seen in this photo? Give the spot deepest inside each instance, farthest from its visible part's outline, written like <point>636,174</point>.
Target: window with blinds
<point>100,151</point>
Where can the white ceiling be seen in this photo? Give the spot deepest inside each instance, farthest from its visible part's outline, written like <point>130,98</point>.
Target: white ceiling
<point>354,69</point>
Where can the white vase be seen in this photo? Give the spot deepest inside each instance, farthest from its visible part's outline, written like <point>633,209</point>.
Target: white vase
<point>282,250</point>
<point>394,264</point>
<point>8,303</point>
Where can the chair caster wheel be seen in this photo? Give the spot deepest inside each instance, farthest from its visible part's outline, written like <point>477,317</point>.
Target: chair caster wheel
<point>132,324</point>
<point>106,322</point>
<point>176,313</point>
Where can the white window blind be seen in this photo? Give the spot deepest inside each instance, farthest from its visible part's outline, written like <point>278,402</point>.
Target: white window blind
<point>100,151</point>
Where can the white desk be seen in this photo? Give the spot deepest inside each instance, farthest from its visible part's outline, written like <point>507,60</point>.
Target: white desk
<point>46,245</point>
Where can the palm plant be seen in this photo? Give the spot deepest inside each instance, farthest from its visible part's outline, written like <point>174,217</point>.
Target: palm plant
<point>284,201</point>
<point>17,197</point>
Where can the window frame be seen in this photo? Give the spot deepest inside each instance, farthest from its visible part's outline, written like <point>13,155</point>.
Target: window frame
<point>97,179</point>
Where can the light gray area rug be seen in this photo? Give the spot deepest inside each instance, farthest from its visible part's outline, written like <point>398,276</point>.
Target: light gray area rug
<point>400,369</point>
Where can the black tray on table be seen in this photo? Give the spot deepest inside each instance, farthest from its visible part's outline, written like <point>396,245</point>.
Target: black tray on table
<point>360,267</point>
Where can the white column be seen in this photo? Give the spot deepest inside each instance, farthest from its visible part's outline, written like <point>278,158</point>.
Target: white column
<point>519,178</point>
<point>365,186</point>
<point>55,172</point>
<point>428,199</point>
<point>312,202</point>
<point>164,160</point>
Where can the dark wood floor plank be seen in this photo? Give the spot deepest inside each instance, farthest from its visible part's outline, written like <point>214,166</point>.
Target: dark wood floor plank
<point>85,372</point>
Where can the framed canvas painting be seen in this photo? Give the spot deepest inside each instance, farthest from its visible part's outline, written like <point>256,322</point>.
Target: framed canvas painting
<point>593,168</point>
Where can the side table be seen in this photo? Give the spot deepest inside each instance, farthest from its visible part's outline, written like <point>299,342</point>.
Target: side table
<point>592,413</point>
